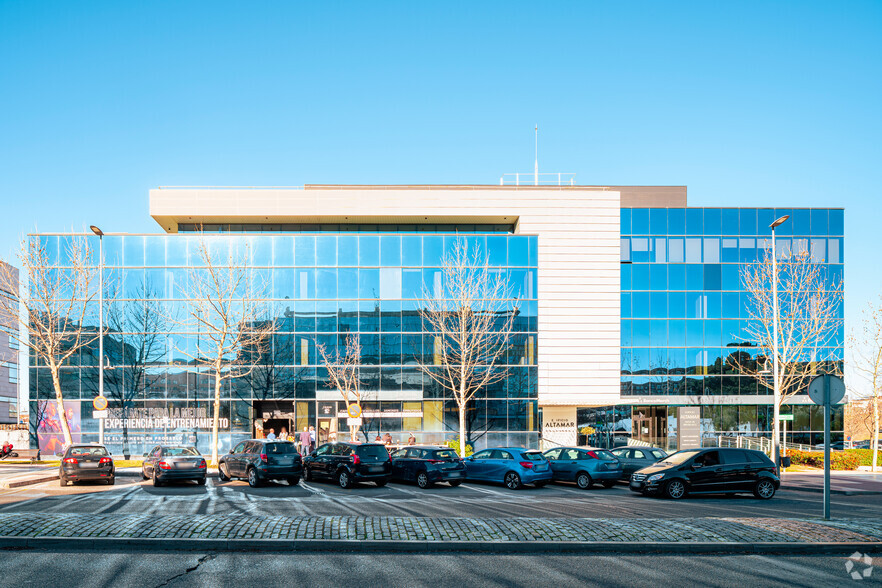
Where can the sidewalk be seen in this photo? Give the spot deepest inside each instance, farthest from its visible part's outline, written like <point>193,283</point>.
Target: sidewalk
<point>847,483</point>
<point>354,533</point>
<point>15,476</point>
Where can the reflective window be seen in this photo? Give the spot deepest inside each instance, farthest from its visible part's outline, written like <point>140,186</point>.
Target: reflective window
<point>368,250</point>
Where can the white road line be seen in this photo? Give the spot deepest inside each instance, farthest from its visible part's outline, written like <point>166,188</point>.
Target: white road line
<point>489,491</point>
<point>311,489</point>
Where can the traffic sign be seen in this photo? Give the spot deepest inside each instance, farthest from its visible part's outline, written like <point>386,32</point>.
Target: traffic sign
<point>353,410</point>
<point>834,384</point>
<point>785,417</point>
<point>99,402</point>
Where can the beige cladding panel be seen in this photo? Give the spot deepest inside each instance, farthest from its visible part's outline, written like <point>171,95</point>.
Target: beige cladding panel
<point>579,314</point>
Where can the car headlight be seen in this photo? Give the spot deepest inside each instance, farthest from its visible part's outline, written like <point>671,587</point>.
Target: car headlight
<point>655,478</point>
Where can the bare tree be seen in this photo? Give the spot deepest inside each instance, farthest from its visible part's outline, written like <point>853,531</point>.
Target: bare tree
<point>225,307</point>
<point>343,374</point>
<point>866,346</point>
<point>470,315</point>
<point>808,309</point>
<point>53,308</point>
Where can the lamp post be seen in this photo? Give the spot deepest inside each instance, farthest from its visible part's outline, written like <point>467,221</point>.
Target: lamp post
<point>100,235</point>
<point>776,450</point>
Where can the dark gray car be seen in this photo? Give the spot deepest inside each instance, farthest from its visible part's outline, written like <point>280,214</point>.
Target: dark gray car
<point>637,458</point>
<point>166,463</point>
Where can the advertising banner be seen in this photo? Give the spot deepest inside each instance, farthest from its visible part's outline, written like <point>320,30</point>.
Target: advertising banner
<point>49,431</point>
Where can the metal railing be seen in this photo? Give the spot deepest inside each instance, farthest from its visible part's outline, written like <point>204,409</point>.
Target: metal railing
<point>542,179</point>
<point>759,443</point>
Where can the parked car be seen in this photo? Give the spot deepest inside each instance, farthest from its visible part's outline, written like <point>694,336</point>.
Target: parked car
<point>349,463</point>
<point>427,465</point>
<point>637,458</point>
<point>584,466</point>
<point>719,470</point>
<point>837,446</point>
<point>86,462</point>
<point>259,460</point>
<point>166,463</point>
<point>512,466</point>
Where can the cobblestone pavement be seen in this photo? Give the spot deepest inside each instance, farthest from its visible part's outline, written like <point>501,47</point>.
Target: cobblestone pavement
<point>713,530</point>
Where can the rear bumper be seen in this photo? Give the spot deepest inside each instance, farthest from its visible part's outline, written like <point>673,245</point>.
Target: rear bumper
<point>529,477</point>
<point>280,473</point>
<point>446,475</point>
<point>91,474</point>
<point>193,474</point>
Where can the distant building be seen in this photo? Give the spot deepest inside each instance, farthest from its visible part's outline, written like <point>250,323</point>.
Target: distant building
<point>8,365</point>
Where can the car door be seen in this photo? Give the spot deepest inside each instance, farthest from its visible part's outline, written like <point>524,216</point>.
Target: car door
<point>552,456</point>
<point>638,459</point>
<point>478,464</point>
<point>622,455</point>
<point>704,473</point>
<point>233,460</point>
<point>499,463</point>
<point>569,463</point>
<point>399,464</point>
<point>319,464</point>
<point>735,470</point>
<point>151,460</point>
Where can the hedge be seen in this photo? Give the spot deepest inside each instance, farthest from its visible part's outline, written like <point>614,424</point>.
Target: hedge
<point>839,460</point>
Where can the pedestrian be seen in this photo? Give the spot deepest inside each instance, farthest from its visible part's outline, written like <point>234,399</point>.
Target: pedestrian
<point>378,439</point>
<point>283,433</point>
<point>271,435</point>
<point>411,440</point>
<point>305,442</point>
<point>387,439</point>
<point>312,434</point>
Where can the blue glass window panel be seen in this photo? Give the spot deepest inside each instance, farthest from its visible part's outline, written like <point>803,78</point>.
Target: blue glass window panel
<point>676,221</point>
<point>626,360</point>
<point>368,283</point>
<point>694,276</point>
<point>304,284</point>
<point>640,304</point>
<point>836,225</point>
<point>304,251</point>
<point>497,248</point>
<point>390,350</point>
<point>433,250</point>
<point>834,250</point>
<point>175,252</point>
<point>787,228</point>
<point>713,221</point>
<point>368,316</point>
<point>694,305</point>
<point>155,251</point>
<point>283,283</point>
<point>390,250</point>
<point>412,251</point>
<point>347,315</point>
<point>370,349</point>
<point>747,221</point>
<point>660,250</point>
<point>626,333</point>
<point>713,333</point>
<point>712,276</point>
<point>658,333</point>
<point>693,251</point>
<point>729,221</point>
<point>625,277</point>
<point>677,304</point>
<point>694,333</point>
<point>747,248</point>
<point>134,250</point>
<point>368,250</point>
<point>834,279</point>
<point>432,281</point>
<point>658,304</point>
<point>640,276</point>
<point>133,283</point>
<point>730,251</point>
<point>658,277</point>
<point>819,221</point>
<point>625,221</point>
<point>658,221</point>
<point>283,251</point>
<point>412,283</point>
<point>531,309</point>
<point>658,363</point>
<point>677,333</point>
<point>818,250</point>
<point>675,250</point>
<point>260,251</point>
<point>730,332</point>
<point>640,359</point>
<point>347,250</point>
<point>518,252</point>
<point>801,220</point>
<point>390,316</point>
<point>713,304</point>
<point>390,283</point>
<point>694,221</point>
<point>533,246</point>
<point>626,304</point>
<point>640,221</point>
<point>326,250</point>
<point>677,363</point>
<point>640,250</point>
<point>764,219</point>
<point>326,316</point>
<point>731,307</point>
<point>326,283</point>
<point>677,276</point>
<point>304,321</point>
<point>712,250</point>
<point>347,282</point>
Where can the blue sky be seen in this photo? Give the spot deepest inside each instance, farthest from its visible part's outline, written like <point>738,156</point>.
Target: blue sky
<point>747,103</point>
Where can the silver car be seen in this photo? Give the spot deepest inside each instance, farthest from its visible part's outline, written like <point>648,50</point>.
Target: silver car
<point>637,458</point>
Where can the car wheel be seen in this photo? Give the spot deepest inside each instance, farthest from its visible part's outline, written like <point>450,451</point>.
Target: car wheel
<point>222,473</point>
<point>144,475</point>
<point>344,479</point>
<point>512,481</point>
<point>583,480</point>
<point>156,481</point>
<point>253,480</point>
<point>381,483</point>
<point>764,489</point>
<point>675,489</point>
<point>62,482</point>
<point>609,483</point>
<point>111,481</point>
<point>293,481</point>
<point>541,483</point>
<point>422,480</point>
<point>454,483</point>
<point>201,481</point>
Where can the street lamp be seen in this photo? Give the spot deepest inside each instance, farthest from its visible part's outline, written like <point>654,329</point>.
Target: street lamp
<point>777,394</point>
<point>100,235</point>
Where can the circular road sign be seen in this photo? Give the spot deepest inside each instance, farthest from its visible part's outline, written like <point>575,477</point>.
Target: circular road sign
<point>353,410</point>
<point>833,383</point>
<point>99,403</point>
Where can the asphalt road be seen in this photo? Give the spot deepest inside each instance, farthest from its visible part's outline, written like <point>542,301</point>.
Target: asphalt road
<point>131,495</point>
<point>46,568</point>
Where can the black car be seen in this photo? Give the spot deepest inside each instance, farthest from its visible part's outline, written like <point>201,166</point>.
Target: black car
<point>637,458</point>
<point>168,463</point>
<point>720,470</point>
<point>86,462</point>
<point>259,460</point>
<point>427,465</point>
<point>349,463</point>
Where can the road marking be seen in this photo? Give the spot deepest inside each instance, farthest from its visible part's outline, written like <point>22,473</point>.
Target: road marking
<point>310,488</point>
<point>488,491</point>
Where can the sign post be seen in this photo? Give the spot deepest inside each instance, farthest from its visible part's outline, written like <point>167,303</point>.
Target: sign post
<point>826,390</point>
<point>784,418</point>
<point>99,406</point>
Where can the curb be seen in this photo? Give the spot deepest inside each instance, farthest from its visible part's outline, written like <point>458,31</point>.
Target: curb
<point>13,483</point>
<point>371,546</point>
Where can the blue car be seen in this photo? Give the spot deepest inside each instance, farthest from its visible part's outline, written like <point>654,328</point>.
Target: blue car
<point>584,466</point>
<point>512,466</point>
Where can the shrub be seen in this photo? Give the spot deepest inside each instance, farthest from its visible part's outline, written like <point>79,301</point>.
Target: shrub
<point>454,444</point>
<point>839,460</point>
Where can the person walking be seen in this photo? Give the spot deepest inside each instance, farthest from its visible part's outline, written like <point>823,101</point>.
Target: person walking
<point>305,442</point>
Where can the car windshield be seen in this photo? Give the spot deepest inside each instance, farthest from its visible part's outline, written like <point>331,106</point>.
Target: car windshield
<point>371,451</point>
<point>534,456</point>
<point>446,454</point>
<point>87,451</point>
<point>680,457</point>
<point>283,448</point>
<point>603,454</point>
<point>175,451</point>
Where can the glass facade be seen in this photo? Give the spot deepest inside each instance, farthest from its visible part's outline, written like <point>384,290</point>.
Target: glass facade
<point>683,311</point>
<point>321,287</point>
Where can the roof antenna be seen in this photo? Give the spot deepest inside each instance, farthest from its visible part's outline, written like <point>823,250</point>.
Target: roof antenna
<point>536,163</point>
